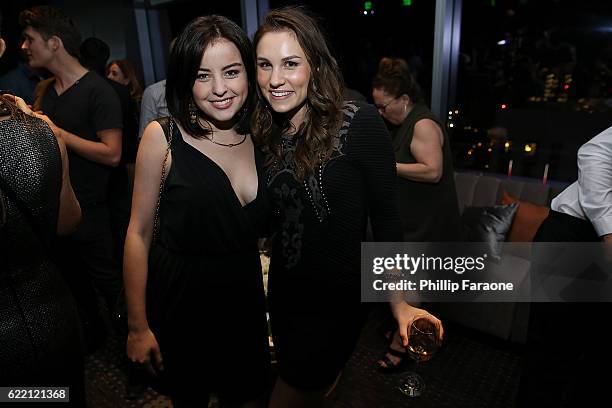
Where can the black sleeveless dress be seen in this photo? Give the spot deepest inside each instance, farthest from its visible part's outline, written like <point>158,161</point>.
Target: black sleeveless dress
<point>40,341</point>
<point>205,297</point>
<point>429,211</point>
<point>314,285</point>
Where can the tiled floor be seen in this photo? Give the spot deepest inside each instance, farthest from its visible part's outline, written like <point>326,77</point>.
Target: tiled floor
<point>470,370</point>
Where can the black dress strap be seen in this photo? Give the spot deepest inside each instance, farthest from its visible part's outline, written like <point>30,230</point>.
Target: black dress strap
<point>165,124</point>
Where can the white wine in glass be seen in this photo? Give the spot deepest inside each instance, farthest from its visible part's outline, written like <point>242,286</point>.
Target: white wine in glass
<point>423,342</point>
<point>421,347</point>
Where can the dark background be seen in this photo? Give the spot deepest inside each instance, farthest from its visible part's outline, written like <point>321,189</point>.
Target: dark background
<point>564,37</point>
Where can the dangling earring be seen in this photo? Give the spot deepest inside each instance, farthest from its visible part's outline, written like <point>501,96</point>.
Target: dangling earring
<point>193,116</point>
<point>405,108</point>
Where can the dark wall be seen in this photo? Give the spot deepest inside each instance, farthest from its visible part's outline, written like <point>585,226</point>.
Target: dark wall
<point>360,41</point>
<point>11,32</point>
<point>182,12</point>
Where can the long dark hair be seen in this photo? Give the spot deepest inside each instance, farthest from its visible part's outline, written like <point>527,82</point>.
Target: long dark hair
<point>324,100</point>
<point>395,78</point>
<point>184,63</point>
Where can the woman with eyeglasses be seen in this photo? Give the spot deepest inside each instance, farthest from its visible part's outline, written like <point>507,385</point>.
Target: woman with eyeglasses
<point>426,186</point>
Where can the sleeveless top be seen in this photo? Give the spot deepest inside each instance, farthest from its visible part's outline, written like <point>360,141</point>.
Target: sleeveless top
<point>204,271</point>
<point>429,211</point>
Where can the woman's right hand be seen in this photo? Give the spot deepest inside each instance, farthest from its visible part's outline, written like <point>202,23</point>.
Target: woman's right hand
<point>143,350</point>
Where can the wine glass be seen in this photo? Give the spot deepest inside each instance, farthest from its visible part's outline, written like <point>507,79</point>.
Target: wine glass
<point>423,342</point>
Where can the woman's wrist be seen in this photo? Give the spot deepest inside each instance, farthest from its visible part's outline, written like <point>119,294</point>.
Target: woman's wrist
<point>138,326</point>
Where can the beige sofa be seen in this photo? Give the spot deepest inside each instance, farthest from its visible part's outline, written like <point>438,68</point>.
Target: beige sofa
<point>501,319</point>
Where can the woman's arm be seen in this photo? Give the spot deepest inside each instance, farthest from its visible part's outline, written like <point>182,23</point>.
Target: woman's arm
<point>69,215</point>
<point>426,148</point>
<point>370,149</point>
<point>141,341</point>
<point>371,146</point>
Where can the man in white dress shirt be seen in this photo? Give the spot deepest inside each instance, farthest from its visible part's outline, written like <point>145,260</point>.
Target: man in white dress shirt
<point>590,197</point>
<point>566,349</point>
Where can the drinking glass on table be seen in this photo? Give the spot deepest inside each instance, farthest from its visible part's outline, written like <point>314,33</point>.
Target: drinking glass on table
<point>423,342</point>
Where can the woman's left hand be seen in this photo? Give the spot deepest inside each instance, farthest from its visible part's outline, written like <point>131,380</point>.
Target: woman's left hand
<point>20,103</point>
<point>405,314</point>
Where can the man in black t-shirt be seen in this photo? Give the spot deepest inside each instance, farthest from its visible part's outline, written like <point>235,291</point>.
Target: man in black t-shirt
<point>94,54</point>
<point>84,109</point>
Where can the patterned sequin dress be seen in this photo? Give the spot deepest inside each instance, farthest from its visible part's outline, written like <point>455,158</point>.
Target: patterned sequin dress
<point>314,284</point>
<point>39,331</point>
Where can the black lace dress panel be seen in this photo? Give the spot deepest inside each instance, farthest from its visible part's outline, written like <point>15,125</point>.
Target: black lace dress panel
<point>39,330</point>
<point>314,284</point>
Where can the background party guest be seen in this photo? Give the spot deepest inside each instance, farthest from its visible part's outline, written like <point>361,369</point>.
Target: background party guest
<point>123,71</point>
<point>427,196</point>
<point>82,107</point>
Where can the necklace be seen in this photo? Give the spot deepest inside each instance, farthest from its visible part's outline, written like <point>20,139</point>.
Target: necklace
<point>212,140</point>
<point>226,144</point>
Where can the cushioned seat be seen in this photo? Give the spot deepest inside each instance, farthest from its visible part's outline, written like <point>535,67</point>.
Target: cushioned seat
<point>501,319</point>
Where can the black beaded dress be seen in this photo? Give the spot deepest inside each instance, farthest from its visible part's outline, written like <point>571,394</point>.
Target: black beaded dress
<point>314,284</point>
<point>205,297</point>
<point>40,341</point>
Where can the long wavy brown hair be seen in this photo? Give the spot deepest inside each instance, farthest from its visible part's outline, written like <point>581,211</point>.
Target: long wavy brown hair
<point>129,72</point>
<point>324,99</point>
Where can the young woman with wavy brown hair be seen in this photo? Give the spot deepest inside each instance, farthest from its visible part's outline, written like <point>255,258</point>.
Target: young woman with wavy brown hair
<point>321,101</point>
<point>123,72</point>
<point>329,167</point>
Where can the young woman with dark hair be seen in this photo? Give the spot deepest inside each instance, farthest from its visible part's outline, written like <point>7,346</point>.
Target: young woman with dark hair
<point>329,167</point>
<point>196,307</point>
